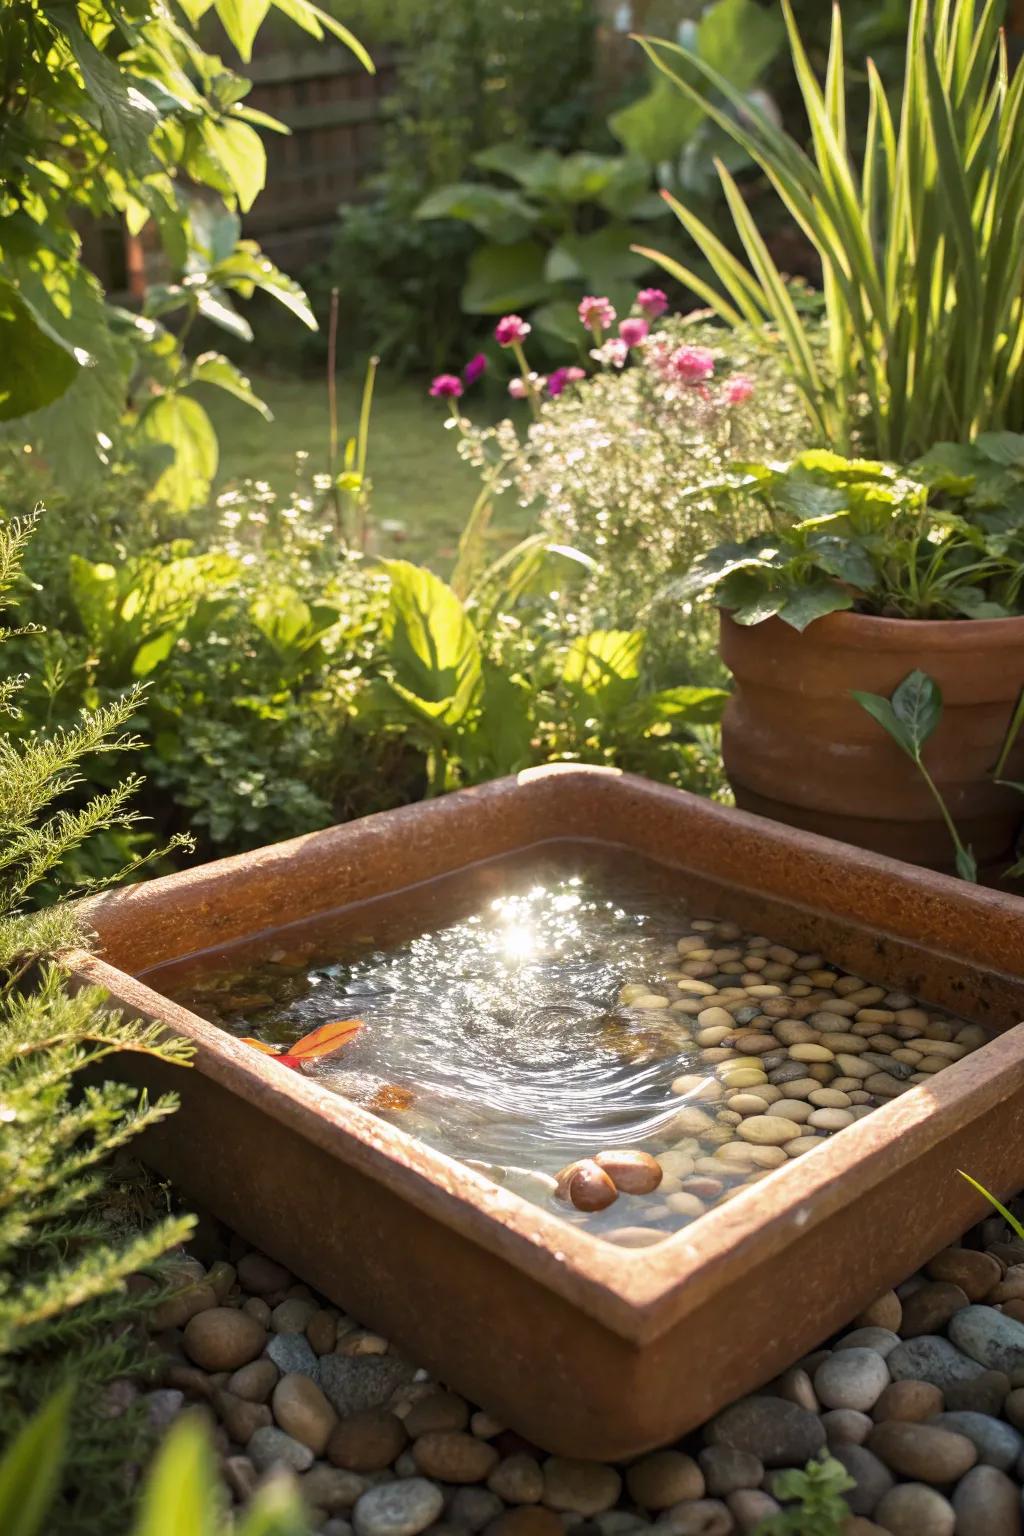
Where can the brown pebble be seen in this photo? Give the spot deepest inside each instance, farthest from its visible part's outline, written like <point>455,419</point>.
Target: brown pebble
<point>908,1401</point>
<point>886,1311</point>
<point>255,1381</point>
<point>322,1331</point>
<point>454,1457</point>
<point>222,1339</point>
<point>923,1451</point>
<point>241,1419</point>
<point>240,1476</point>
<point>437,1412</point>
<point>663,1478</point>
<point>260,1275</point>
<point>586,1186</point>
<point>929,1309</point>
<point>975,1273</point>
<point>303,1412</point>
<point>632,1173</point>
<point>367,1442</point>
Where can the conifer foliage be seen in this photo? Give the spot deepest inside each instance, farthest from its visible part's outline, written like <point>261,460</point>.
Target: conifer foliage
<point>65,1314</point>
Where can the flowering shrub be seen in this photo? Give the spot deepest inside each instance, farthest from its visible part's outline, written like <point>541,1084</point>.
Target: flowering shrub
<point>621,463</point>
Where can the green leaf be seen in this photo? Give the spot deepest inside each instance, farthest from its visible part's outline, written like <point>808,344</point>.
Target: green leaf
<point>30,1469</point>
<point>36,364</point>
<point>558,318</point>
<point>605,665</point>
<point>966,864</point>
<point>316,21</point>
<point>213,368</point>
<point>917,704</point>
<point>881,710</point>
<point>499,214</point>
<point>1002,448</point>
<point>238,150</point>
<point>505,277</point>
<point>125,114</point>
<point>847,561</point>
<point>804,604</point>
<point>214,306</point>
<point>599,260</point>
<point>685,705</point>
<point>1011,1220</point>
<point>658,124</point>
<point>180,1495</point>
<point>241,20</point>
<point>430,643</point>
<point>183,425</point>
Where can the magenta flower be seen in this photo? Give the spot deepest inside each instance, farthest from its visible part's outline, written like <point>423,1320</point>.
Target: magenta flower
<point>447,386</point>
<point>596,312</point>
<point>693,364</point>
<point>510,329</point>
<point>652,301</point>
<point>563,376</point>
<point>738,389</point>
<point>633,332</point>
<point>474,368</point>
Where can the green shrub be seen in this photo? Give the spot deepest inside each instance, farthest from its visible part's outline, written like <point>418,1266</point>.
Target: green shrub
<point>65,1253</point>
<point>114,110</point>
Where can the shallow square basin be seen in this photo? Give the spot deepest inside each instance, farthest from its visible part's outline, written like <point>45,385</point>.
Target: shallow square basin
<point>585,1348</point>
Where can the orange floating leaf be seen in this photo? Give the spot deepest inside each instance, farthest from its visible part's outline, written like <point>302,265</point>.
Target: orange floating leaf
<point>328,1038</point>
<point>259,1045</point>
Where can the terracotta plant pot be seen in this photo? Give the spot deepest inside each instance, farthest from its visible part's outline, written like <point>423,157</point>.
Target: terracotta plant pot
<point>798,748</point>
<point>586,1348</point>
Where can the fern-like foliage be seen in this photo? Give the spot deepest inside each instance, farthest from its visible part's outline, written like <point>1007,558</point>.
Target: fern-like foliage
<point>66,1316</point>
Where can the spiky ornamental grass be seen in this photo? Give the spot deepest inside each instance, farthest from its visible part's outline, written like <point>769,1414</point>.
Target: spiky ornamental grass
<point>921,245</point>
<point>65,1314</point>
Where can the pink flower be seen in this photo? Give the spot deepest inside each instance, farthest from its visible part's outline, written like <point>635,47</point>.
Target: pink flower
<point>633,332</point>
<point>563,376</point>
<point>447,386</point>
<point>474,368</point>
<point>596,311</point>
<point>652,301</point>
<point>692,364</point>
<point>510,329</point>
<point>517,389</point>
<point>738,389</point>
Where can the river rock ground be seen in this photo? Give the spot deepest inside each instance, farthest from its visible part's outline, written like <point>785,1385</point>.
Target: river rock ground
<point>921,1398</point>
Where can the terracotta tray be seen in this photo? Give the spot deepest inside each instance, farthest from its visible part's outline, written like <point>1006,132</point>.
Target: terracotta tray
<point>586,1348</point>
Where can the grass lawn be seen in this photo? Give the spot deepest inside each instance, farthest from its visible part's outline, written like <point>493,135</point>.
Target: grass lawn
<point>422,491</point>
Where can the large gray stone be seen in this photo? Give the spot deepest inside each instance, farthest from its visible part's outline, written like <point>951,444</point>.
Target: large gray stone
<point>990,1337</point>
<point>353,1383</point>
<point>998,1443</point>
<point>931,1358</point>
<point>779,1433</point>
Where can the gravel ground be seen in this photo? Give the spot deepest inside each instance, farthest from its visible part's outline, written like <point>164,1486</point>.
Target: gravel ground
<point>921,1399</point>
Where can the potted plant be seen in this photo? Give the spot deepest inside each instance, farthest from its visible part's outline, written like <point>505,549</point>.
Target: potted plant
<point>861,576</point>
<point>870,570</point>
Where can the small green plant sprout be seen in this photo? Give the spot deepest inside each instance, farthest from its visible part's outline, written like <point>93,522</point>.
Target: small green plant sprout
<point>1016,1227</point>
<point>818,1507</point>
<point>911,718</point>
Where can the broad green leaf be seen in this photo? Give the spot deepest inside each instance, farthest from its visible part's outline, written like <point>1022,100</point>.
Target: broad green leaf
<point>685,705</point>
<point>241,20</point>
<point>917,704</point>
<point>317,21</point>
<point>739,38</point>
<point>599,260</point>
<point>605,665</point>
<point>531,167</point>
<point>1002,448</point>
<point>30,1468</point>
<point>183,425</point>
<point>213,368</point>
<point>505,277</point>
<point>844,559</point>
<point>36,364</point>
<point>238,150</point>
<point>125,114</point>
<point>430,642</point>
<point>881,710</point>
<point>499,214</point>
<point>288,622</point>
<point>180,1494</point>
<point>247,268</point>
<point>95,593</point>
<point>803,604</point>
<point>215,306</point>
<point>558,318</point>
<point>658,124</point>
